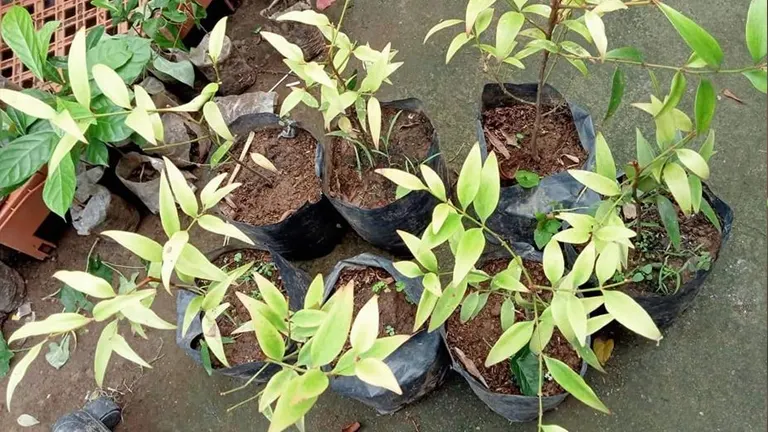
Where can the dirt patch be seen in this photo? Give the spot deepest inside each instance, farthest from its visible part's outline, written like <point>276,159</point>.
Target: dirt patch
<point>408,147</point>
<point>476,337</point>
<point>244,347</point>
<point>143,173</point>
<point>259,203</point>
<point>396,313</point>
<point>508,132</point>
<point>699,246</point>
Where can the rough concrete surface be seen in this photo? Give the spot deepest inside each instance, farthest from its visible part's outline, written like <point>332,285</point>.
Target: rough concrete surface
<point>707,374</point>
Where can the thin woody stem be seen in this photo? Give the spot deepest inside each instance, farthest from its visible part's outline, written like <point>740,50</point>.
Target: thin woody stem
<point>553,20</point>
<point>682,69</point>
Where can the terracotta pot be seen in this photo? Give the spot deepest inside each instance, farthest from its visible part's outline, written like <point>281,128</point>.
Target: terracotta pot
<point>21,214</point>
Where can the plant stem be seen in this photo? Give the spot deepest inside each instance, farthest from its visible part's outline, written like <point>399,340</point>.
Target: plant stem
<point>555,7</point>
<point>179,143</point>
<point>247,383</point>
<point>241,403</point>
<point>237,161</point>
<point>682,69</point>
<point>628,4</point>
<point>636,198</point>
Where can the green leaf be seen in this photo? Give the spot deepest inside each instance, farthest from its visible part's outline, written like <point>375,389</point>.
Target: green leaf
<point>205,358</point>
<point>18,32</point>
<point>215,225</point>
<point>446,304</point>
<point>645,153</point>
<point>617,93</point>
<point>538,9</point>
<point>96,153</point>
<point>474,9</point>
<point>53,324</point>
<point>139,314</point>
<point>285,48</point>
<point>333,332</point>
<point>420,251</point>
<point>757,29</point>
<point>458,41</point>
<point>525,368</point>
<point>112,53</point>
<point>78,70</point>
<point>270,340</point>
<point>376,373</point>
<point>86,283</point>
<point>5,357</point>
<point>468,306</point>
<point>574,384</point>
<point>694,162</point>
<point>434,183</point>
<point>710,214</point>
<point>402,178</point>
<point>440,26</point>
<point>707,149</point>
<point>468,252</point>
<point>510,342</point>
<point>483,21</point>
<point>424,310</point>
<point>487,197</point>
<point>290,407</point>
<point>605,165</point>
<point>553,428</point>
<point>58,353</point>
<point>625,53</point>
<point>23,156</point>
<point>578,64</point>
<point>701,42</point>
<point>696,192</point>
<point>276,387</point>
<point>758,78</point>
<point>103,352</point>
<point>184,195</point>
<point>141,246</point>
<point>542,333</point>
<point>216,41</point>
<point>527,179</point>
<point>120,347</point>
<point>507,314</point>
<point>107,308</point>
<point>193,263</point>
<point>598,183</point>
<point>583,266</point>
<point>553,261</point>
<point>168,214</point>
<point>677,181</point>
<point>705,106</point>
<point>507,29</point>
<point>314,293</point>
<point>19,371</point>
<point>676,92</point>
<point>607,263</point>
<point>112,85</point>
<point>59,189</point>
<point>182,71</point>
<point>630,314</point>
<point>668,215</point>
<point>27,104</point>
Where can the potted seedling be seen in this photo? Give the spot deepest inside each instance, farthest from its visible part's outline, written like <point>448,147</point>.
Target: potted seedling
<point>297,346</point>
<point>536,133</point>
<point>366,133</point>
<point>419,365</point>
<point>280,204</point>
<point>238,355</point>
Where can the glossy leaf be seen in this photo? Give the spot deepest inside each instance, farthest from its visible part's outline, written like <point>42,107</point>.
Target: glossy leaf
<point>216,40</point>
<point>630,314</point>
<point>598,183</point>
<point>487,197</point>
<point>468,252</point>
<point>141,246</point>
<point>510,342</point>
<point>617,93</point>
<point>677,182</point>
<point>23,156</point>
<point>507,29</point>
<point>705,106</point>
<point>701,42</point>
<point>18,33</point>
<point>78,70</point>
<point>668,215</point>
<point>440,26</point>
<point>86,283</point>
<point>574,384</point>
<point>676,92</point>
<point>59,189</point>
<point>597,30</point>
<point>468,183</point>
<point>757,29</point>
<point>365,327</point>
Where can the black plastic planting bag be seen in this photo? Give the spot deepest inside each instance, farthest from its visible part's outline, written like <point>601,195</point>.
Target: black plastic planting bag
<point>515,408</point>
<point>420,364</point>
<point>514,219</point>
<point>311,231</point>
<point>295,284</point>
<point>411,213</point>
<point>664,309</point>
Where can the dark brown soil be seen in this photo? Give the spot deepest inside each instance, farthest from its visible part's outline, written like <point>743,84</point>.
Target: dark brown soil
<point>257,202</point>
<point>245,347</point>
<point>143,173</point>
<point>558,142</point>
<point>396,314</point>
<point>411,139</point>
<point>652,246</point>
<point>476,337</point>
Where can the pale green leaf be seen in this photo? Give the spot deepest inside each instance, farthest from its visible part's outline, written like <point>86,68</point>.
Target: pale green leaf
<point>510,342</point>
<point>757,29</point>
<point>333,332</point>
<point>111,85</point>
<point>53,324</point>
<point>171,253</point>
<point>193,309</point>
<point>440,26</point>
<point>676,92</point>
<point>78,70</point>
<point>487,197</point>
<point>604,159</point>
<point>169,217</point>
<point>19,371</point>
<point>103,352</point>
<point>583,266</point>
<point>630,314</point>
<point>217,226</point>
<point>701,42</point>
<point>376,373</point>
<point>468,252</point>
<point>694,162</point>
<point>458,41</point>
<point>285,48</point>
<point>86,283</point>
<point>468,183</point>
<point>574,384</point>
<point>507,28</point>
<point>553,261</point>
<point>216,121</point>
<point>758,78</point>
<point>216,40</point>
<point>183,193</point>
<point>107,308</point>
<point>677,182</point>
<point>29,105</point>
<point>598,183</point>
<point>365,327</point>
<point>402,178</point>
<point>607,263</point>
<point>596,29</point>
<point>705,105</point>
<point>141,123</point>
<point>141,246</point>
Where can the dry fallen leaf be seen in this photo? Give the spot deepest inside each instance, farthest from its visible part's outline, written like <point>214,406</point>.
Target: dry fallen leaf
<point>729,94</point>
<point>603,349</point>
<point>354,427</point>
<point>497,144</point>
<point>511,139</point>
<point>470,366</point>
<point>26,420</point>
<point>629,210</point>
<point>573,159</point>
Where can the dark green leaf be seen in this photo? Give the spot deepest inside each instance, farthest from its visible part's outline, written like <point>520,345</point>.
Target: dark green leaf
<point>626,53</point>
<point>175,16</point>
<point>73,300</point>
<point>110,52</point>
<point>758,78</point>
<point>205,358</point>
<point>617,92</point>
<point>182,70</point>
<point>21,120</point>
<point>525,369</point>
<point>668,215</point>
<point>5,356</point>
<point>18,33</point>
<point>142,53</point>
<point>710,214</point>
<point>43,39</point>
<point>59,189</point>
<point>676,92</point>
<point>108,129</point>
<point>654,83</point>
<point>97,268</point>
<point>25,155</point>
<point>94,36</point>
<point>705,106</point>
<point>96,153</point>
<point>541,237</point>
<point>701,42</point>
<point>527,179</point>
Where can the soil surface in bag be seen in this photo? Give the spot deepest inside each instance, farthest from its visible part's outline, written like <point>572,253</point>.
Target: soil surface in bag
<point>408,147</point>
<point>396,313</point>
<point>509,131</point>
<point>476,337</point>
<point>244,347</point>
<point>258,202</point>
<point>143,173</point>
<point>700,244</point>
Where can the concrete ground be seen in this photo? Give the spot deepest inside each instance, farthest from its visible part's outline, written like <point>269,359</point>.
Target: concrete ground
<point>709,372</point>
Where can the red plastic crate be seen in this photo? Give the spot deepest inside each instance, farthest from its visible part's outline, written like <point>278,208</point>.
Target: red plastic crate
<point>71,14</point>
